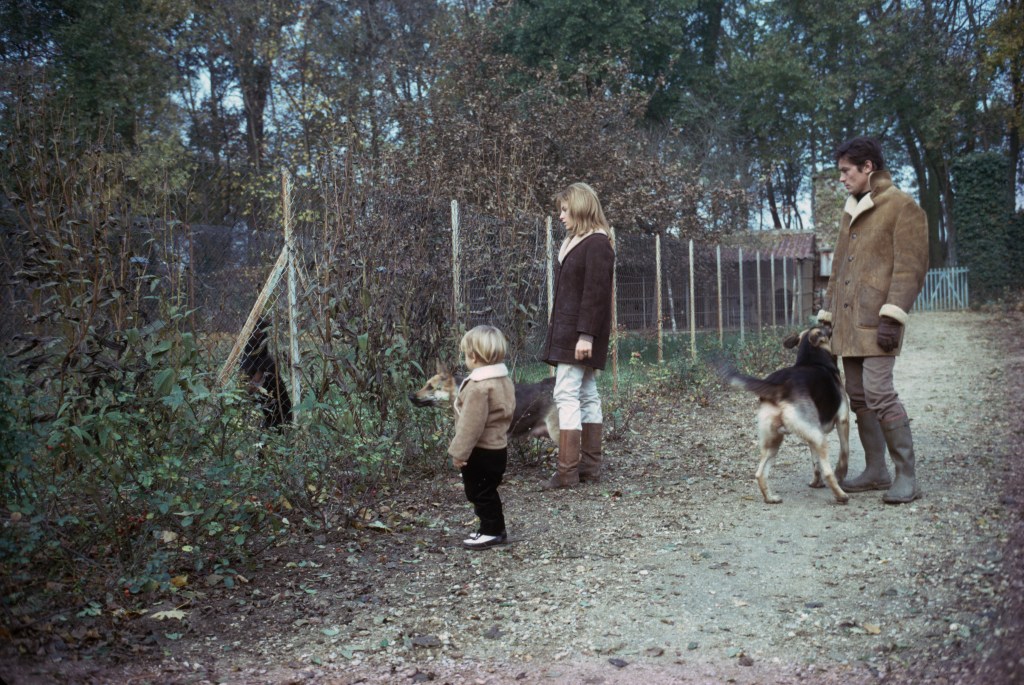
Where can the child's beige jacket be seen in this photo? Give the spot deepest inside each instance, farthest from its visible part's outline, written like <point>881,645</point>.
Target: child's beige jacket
<point>483,410</point>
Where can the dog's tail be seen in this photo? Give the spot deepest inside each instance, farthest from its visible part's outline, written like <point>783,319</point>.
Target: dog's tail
<point>764,389</point>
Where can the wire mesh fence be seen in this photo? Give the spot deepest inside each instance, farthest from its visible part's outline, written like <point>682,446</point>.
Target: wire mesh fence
<point>408,268</point>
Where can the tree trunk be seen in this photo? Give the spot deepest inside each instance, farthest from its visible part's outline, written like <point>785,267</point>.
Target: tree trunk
<point>255,83</point>
<point>931,202</point>
<point>1017,83</point>
<point>929,194</point>
<point>712,32</point>
<point>770,191</point>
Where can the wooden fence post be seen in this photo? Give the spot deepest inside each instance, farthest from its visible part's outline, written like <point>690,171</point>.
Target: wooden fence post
<point>550,265</point>
<point>772,290</point>
<point>615,316</point>
<point>798,292</point>
<point>693,316</point>
<point>657,298</point>
<point>456,262</point>
<point>550,273</point>
<point>293,314</point>
<point>718,266</point>
<point>760,297</point>
<point>739,262</point>
<point>254,315</point>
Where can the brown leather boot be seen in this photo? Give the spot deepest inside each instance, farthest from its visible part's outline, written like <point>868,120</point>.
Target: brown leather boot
<point>590,453</point>
<point>568,473</point>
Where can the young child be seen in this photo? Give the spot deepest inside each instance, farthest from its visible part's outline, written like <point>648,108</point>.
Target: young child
<point>483,410</point>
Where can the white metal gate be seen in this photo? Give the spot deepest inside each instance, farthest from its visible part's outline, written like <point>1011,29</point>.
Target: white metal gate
<point>944,290</point>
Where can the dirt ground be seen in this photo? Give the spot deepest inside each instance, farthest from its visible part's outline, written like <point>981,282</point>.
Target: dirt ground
<point>671,570</point>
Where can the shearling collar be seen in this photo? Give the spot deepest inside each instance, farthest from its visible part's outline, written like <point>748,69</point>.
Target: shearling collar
<point>878,182</point>
<point>482,373</point>
<point>571,242</point>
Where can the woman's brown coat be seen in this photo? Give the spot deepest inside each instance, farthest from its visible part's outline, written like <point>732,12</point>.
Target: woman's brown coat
<point>583,303</point>
<point>878,268</point>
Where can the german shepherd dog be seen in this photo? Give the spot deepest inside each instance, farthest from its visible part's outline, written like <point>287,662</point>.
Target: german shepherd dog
<point>265,383</point>
<point>807,400</point>
<point>535,415</point>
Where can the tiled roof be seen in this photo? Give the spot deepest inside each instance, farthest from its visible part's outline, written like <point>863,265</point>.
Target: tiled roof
<point>784,244</point>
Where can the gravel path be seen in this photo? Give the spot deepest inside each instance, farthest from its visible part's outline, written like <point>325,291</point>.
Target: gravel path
<point>673,569</point>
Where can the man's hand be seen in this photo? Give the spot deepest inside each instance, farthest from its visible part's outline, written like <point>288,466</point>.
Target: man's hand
<point>584,350</point>
<point>889,333</point>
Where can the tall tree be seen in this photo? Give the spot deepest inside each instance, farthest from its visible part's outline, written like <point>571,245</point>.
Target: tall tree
<point>108,58</point>
<point>667,46</point>
<point>934,124</point>
<point>1005,37</point>
<point>250,36</point>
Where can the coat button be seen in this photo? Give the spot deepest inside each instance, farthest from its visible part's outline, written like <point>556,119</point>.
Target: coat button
<point>850,258</point>
<point>846,306</point>
<point>853,236</point>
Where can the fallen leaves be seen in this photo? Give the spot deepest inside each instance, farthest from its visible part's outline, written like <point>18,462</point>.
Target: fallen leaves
<point>175,614</point>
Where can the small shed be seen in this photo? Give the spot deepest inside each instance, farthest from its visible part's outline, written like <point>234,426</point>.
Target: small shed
<point>798,286</point>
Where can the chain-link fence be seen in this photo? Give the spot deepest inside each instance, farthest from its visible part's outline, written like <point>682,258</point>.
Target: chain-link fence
<point>422,271</point>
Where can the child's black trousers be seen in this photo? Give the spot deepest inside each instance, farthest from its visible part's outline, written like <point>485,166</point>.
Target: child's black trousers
<point>481,477</point>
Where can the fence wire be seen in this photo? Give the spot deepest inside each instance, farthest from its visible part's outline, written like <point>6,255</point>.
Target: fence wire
<point>385,267</point>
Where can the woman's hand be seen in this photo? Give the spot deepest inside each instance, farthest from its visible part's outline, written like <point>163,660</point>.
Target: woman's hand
<point>584,350</point>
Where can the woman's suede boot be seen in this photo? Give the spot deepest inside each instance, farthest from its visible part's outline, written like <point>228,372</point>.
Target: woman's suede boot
<point>901,446</point>
<point>590,453</point>
<point>567,473</point>
<point>876,475</point>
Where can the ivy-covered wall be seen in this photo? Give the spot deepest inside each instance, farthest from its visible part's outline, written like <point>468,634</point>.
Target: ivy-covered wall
<point>988,233</point>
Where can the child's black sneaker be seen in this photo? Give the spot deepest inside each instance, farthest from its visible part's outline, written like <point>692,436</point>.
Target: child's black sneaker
<point>481,541</point>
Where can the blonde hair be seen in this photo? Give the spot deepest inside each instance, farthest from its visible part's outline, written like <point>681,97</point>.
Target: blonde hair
<point>485,343</point>
<point>584,209</point>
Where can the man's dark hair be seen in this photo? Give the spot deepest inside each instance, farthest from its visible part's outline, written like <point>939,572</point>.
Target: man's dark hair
<point>861,149</point>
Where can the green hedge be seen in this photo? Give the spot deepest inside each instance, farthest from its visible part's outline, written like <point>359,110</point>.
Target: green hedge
<point>988,235</point>
<point>1016,250</point>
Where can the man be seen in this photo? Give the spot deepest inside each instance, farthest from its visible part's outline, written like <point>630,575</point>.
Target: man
<point>878,269</point>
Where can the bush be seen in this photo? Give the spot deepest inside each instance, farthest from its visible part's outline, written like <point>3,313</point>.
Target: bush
<point>982,216</point>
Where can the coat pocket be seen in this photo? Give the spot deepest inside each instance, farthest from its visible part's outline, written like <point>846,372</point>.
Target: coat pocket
<point>564,329</point>
<point>869,303</point>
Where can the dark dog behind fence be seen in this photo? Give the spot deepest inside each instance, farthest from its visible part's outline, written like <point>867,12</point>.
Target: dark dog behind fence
<point>265,383</point>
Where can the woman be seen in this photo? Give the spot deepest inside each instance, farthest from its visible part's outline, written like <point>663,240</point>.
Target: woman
<point>578,333</point>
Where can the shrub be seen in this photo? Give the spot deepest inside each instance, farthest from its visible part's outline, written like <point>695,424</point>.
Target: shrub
<point>982,215</point>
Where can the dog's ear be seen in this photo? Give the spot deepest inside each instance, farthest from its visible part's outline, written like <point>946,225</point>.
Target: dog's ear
<point>440,369</point>
<point>791,340</point>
